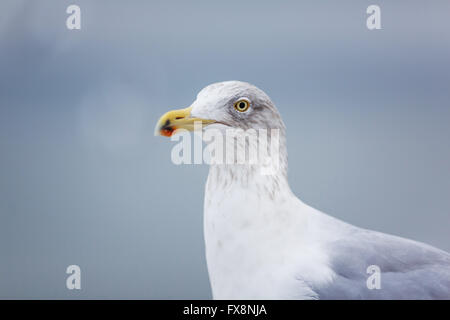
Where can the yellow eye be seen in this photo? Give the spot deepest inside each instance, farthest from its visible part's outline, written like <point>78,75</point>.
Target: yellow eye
<point>241,105</point>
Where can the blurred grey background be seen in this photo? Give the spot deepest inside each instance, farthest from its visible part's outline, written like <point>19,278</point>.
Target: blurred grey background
<point>84,181</point>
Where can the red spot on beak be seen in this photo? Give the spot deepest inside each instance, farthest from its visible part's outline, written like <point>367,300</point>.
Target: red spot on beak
<point>167,132</point>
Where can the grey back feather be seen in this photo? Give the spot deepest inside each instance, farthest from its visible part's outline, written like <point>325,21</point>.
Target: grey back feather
<point>409,269</point>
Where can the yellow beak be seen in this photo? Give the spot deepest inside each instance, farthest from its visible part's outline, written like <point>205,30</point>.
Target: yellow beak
<point>178,119</point>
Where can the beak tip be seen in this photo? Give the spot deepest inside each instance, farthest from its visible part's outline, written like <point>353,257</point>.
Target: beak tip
<point>157,131</point>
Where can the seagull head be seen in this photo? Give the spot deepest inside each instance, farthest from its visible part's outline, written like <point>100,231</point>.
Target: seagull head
<point>224,105</point>
<point>242,112</point>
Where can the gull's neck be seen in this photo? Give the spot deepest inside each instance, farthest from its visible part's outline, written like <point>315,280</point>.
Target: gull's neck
<point>251,222</point>
<point>265,179</point>
<point>224,178</point>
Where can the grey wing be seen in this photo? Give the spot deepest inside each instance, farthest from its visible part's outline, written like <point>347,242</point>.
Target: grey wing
<point>408,269</point>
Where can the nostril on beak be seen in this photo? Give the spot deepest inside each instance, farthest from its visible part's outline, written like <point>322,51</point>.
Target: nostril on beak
<point>178,118</point>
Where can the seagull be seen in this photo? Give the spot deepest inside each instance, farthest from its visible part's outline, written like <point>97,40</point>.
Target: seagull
<point>262,242</point>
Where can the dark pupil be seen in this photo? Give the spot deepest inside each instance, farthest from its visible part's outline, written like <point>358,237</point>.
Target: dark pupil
<point>241,105</point>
